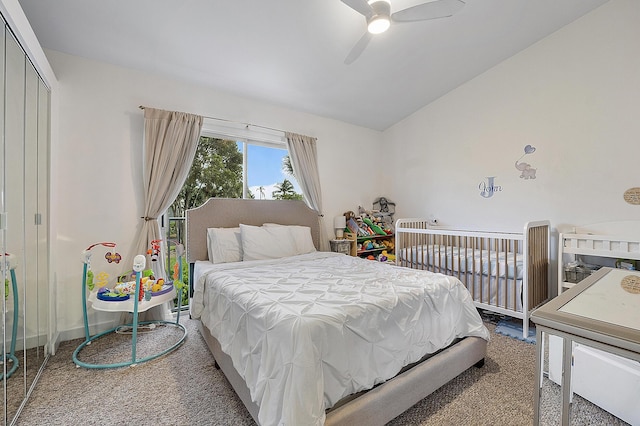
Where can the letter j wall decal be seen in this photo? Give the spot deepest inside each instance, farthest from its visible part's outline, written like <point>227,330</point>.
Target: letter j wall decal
<point>488,188</point>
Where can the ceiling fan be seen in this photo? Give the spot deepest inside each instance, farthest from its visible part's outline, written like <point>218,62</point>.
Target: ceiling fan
<point>379,17</point>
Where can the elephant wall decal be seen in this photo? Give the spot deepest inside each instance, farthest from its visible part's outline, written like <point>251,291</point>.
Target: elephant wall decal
<point>527,172</point>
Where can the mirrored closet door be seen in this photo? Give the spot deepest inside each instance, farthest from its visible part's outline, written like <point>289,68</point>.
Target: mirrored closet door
<point>24,227</point>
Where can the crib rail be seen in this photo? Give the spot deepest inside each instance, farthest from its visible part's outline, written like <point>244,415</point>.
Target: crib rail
<point>538,235</point>
<point>505,272</point>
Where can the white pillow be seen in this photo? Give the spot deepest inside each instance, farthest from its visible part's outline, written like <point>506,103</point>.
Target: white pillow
<point>301,235</point>
<point>224,245</point>
<point>262,242</point>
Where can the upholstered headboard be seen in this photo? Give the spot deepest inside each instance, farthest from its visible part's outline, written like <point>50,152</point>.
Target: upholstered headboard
<point>231,212</point>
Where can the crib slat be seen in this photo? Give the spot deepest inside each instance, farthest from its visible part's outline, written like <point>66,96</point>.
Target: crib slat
<point>466,263</point>
<point>499,268</point>
<point>473,268</point>
<point>514,279</point>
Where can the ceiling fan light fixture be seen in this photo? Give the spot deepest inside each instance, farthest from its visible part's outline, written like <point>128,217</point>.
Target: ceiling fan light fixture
<point>380,21</point>
<point>378,15</point>
<point>378,24</point>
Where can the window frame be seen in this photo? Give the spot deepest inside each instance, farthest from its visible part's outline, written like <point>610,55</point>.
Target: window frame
<point>247,134</point>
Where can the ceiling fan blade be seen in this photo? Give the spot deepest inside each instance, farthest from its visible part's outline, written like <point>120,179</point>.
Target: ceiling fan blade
<point>432,10</point>
<point>357,50</point>
<point>360,6</point>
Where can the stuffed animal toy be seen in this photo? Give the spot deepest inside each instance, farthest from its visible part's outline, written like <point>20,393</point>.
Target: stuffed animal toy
<point>390,257</point>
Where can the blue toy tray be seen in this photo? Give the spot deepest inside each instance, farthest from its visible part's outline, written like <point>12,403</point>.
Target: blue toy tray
<point>109,298</point>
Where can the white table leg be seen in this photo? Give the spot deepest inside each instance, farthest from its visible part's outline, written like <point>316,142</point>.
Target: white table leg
<point>539,377</point>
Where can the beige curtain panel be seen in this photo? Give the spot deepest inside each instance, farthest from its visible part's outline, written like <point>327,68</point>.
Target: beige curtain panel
<point>170,142</point>
<point>304,160</point>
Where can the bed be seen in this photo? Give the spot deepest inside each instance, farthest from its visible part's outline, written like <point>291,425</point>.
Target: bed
<point>506,273</point>
<point>322,337</point>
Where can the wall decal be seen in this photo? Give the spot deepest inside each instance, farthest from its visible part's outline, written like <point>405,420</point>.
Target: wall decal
<point>488,188</point>
<point>632,196</point>
<point>527,172</point>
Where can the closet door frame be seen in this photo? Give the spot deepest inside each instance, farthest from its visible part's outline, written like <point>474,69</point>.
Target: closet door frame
<point>25,226</point>
<point>17,21</point>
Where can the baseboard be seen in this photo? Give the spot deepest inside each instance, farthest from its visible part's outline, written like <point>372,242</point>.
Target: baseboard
<point>30,342</point>
<point>79,333</point>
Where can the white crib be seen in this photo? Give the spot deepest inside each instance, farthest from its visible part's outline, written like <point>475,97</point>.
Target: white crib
<point>506,273</point>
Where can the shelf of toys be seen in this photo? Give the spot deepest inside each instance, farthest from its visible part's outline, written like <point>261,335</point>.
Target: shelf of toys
<point>133,292</point>
<point>371,238</point>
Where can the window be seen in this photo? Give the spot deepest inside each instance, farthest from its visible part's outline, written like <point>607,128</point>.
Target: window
<point>232,161</point>
<point>236,161</point>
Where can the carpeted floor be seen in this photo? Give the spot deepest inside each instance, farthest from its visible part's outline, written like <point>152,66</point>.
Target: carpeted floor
<point>513,328</point>
<point>184,388</point>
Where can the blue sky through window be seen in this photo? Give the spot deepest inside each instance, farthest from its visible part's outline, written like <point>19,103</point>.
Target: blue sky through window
<point>264,165</point>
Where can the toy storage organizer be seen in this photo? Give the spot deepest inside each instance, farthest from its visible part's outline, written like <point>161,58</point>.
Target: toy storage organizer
<point>598,376</point>
<point>133,303</point>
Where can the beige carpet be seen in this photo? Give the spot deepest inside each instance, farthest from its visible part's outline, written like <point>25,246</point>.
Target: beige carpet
<point>184,388</point>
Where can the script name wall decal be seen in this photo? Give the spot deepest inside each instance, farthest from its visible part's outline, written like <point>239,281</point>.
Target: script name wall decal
<point>488,188</point>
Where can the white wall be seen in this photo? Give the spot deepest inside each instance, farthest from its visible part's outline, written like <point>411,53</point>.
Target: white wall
<point>574,96</point>
<point>98,188</point>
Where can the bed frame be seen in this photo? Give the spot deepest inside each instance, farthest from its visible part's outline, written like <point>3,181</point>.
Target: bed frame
<point>452,249</point>
<point>374,407</point>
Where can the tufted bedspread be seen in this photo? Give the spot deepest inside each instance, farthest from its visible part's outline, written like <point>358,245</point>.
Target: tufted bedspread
<point>306,331</point>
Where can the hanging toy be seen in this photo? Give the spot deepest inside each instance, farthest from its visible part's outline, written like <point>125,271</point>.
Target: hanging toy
<point>86,259</point>
<point>102,280</point>
<point>113,257</point>
<point>90,283</point>
<point>86,255</point>
<point>154,251</point>
<point>176,270</point>
<point>177,267</point>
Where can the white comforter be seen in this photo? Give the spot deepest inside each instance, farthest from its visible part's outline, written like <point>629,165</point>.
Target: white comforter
<point>307,330</point>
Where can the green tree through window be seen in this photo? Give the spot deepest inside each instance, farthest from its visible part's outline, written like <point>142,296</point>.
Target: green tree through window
<point>286,191</point>
<point>216,172</point>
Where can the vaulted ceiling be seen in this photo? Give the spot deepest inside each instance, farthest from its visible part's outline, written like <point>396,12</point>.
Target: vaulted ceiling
<point>291,52</point>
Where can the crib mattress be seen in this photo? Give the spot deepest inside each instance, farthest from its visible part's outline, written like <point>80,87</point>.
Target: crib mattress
<point>305,331</point>
<point>467,260</point>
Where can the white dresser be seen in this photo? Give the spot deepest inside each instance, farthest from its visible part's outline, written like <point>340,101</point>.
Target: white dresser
<point>599,376</point>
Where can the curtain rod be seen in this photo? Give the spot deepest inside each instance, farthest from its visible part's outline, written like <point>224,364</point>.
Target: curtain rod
<point>234,122</point>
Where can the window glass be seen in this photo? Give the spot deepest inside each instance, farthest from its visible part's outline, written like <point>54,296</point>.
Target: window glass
<point>216,172</point>
<point>269,174</point>
<point>231,168</point>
